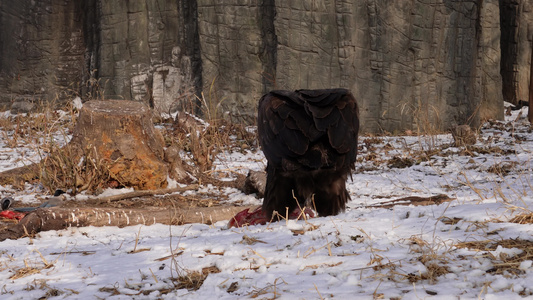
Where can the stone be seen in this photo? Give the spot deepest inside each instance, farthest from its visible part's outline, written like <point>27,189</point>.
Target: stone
<point>517,44</point>
<point>255,182</point>
<point>21,107</point>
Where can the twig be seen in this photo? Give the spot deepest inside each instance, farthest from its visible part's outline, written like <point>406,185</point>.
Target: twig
<point>143,193</point>
<point>413,200</point>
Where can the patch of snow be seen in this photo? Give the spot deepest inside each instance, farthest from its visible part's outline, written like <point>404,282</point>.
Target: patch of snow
<point>365,252</point>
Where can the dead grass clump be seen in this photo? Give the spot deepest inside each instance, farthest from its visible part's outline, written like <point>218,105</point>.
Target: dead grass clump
<point>250,240</point>
<point>371,142</point>
<point>30,269</point>
<point>192,281</point>
<point>215,132</point>
<point>433,270</point>
<point>42,132</point>
<point>113,291</point>
<point>205,140</point>
<point>450,221</point>
<point>463,136</point>
<point>29,129</point>
<point>52,293</point>
<point>400,162</point>
<point>23,272</point>
<point>429,255</point>
<point>59,169</point>
<point>524,218</point>
<point>273,288</point>
<point>474,151</point>
<point>503,264</point>
<point>503,168</point>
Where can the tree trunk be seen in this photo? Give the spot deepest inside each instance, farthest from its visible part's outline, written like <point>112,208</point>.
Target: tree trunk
<point>61,218</point>
<point>121,136</point>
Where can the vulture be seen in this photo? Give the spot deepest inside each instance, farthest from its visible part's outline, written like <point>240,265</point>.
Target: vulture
<point>309,138</point>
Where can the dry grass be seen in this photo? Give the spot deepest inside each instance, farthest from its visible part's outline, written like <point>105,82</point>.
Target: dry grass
<point>265,292</point>
<point>503,263</point>
<point>523,218</point>
<point>431,256</point>
<point>502,168</point>
<point>36,128</point>
<point>40,132</point>
<point>31,268</point>
<point>192,281</point>
<point>205,141</point>
<point>250,240</point>
<point>58,169</point>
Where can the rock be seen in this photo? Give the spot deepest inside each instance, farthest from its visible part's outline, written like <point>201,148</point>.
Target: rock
<point>516,42</point>
<point>255,183</point>
<point>22,107</point>
<point>408,64</point>
<point>77,103</point>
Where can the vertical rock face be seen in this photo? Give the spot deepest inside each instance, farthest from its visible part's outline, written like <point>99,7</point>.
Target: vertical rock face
<point>411,65</point>
<point>489,76</point>
<point>140,50</point>
<point>41,50</point>
<point>230,43</point>
<point>516,45</point>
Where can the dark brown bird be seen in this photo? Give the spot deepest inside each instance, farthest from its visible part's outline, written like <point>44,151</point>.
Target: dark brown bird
<point>309,138</point>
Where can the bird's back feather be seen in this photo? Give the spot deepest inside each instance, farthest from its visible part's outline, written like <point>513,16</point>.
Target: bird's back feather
<point>309,138</point>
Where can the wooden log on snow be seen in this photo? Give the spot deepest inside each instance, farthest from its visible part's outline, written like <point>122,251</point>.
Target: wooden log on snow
<point>56,218</point>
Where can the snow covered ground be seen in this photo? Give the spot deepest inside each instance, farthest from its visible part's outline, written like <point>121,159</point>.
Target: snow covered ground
<point>479,245</point>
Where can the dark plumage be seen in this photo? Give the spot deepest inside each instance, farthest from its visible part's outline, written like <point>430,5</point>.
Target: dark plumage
<point>309,138</point>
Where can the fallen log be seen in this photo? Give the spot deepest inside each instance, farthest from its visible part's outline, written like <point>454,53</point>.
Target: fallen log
<point>58,218</point>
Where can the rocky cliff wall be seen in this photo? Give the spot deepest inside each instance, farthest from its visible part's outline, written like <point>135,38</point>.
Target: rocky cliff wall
<point>146,51</point>
<point>41,50</point>
<point>411,65</point>
<point>516,46</point>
